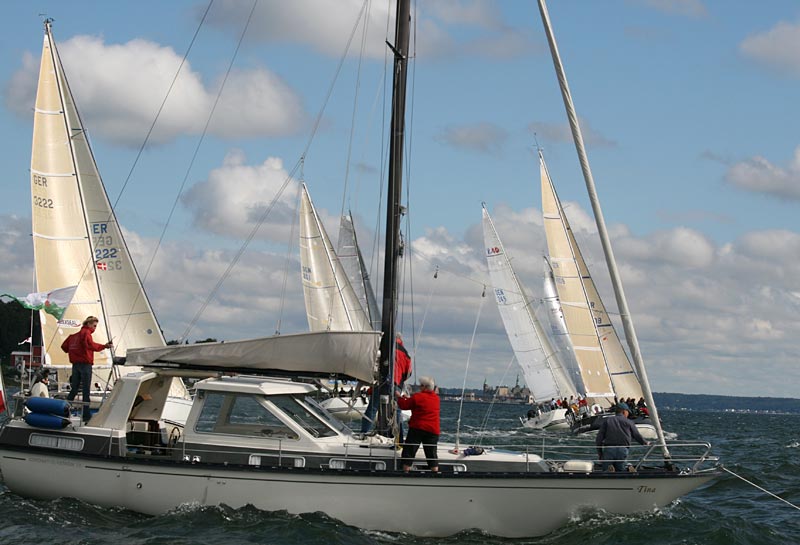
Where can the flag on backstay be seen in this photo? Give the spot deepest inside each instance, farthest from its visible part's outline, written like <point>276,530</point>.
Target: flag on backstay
<point>53,302</point>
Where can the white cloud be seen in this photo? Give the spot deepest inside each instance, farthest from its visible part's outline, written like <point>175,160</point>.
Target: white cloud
<point>759,175</point>
<point>120,87</point>
<point>443,29</point>
<point>778,48</point>
<point>236,196</point>
<point>560,132</point>
<point>481,137</point>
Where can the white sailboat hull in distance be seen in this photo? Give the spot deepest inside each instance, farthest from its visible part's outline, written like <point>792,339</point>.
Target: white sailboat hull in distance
<point>419,504</point>
<point>551,420</point>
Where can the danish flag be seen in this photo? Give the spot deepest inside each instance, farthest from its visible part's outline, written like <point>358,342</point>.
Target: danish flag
<point>102,266</point>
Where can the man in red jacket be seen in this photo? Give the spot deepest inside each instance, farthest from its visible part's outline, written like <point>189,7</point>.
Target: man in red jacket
<point>81,349</point>
<point>424,424</point>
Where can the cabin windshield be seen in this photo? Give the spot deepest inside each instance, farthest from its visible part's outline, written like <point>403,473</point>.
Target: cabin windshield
<point>304,415</point>
<point>240,414</point>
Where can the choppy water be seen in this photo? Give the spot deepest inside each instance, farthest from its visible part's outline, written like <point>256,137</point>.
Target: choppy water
<point>763,448</point>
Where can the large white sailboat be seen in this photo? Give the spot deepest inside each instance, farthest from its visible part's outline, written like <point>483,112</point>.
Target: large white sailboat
<point>545,373</point>
<point>262,441</point>
<point>77,240</point>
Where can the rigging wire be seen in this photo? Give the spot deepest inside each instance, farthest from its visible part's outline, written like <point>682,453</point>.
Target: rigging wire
<point>417,336</point>
<point>760,488</point>
<point>485,422</point>
<point>201,140</point>
<point>289,248</point>
<point>141,151</point>
<point>281,189</point>
<point>466,371</point>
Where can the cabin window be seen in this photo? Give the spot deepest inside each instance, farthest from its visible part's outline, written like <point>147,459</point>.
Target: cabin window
<point>233,414</point>
<point>303,415</point>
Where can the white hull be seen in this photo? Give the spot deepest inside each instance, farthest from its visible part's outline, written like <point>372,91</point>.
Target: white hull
<point>432,506</point>
<point>552,420</point>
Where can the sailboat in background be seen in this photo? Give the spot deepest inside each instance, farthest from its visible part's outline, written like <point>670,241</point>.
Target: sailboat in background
<point>77,239</point>
<point>545,373</point>
<point>352,260</point>
<point>604,365</point>
<point>331,302</point>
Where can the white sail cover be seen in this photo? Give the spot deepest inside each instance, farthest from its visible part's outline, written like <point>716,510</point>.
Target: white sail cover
<point>331,303</point>
<point>352,261</point>
<point>348,353</point>
<point>76,237</point>
<point>540,364</point>
<point>604,365</point>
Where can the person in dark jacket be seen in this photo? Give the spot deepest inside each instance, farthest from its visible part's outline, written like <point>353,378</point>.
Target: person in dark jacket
<point>423,427</point>
<point>614,438</point>
<point>81,349</point>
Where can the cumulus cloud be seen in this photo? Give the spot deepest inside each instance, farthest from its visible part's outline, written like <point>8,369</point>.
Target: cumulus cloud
<point>236,197</point>
<point>560,132</point>
<point>481,137</point>
<point>327,30</point>
<point>120,87</point>
<point>777,48</point>
<point>759,175</point>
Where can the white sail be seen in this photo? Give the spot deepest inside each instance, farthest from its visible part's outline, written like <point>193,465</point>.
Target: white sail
<point>558,328</point>
<point>76,237</point>
<point>539,361</point>
<point>331,303</point>
<point>352,261</point>
<point>605,368</point>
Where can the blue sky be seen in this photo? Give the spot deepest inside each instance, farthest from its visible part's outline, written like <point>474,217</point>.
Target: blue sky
<point>688,108</point>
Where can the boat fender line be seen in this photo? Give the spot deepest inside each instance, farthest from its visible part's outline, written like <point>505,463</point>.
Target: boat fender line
<point>48,421</point>
<point>760,488</point>
<point>47,406</point>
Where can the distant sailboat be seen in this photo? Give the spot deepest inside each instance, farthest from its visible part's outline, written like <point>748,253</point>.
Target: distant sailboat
<point>352,260</point>
<point>331,302</point>
<point>76,237</point>
<point>604,365</point>
<point>541,365</point>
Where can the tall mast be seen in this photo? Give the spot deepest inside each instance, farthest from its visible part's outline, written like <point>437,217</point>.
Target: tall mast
<point>616,282</point>
<point>393,210</point>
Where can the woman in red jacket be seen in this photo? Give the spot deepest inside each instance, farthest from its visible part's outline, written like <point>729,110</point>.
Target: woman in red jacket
<point>424,424</point>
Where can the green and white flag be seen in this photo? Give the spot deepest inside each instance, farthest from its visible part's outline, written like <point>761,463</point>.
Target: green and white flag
<point>52,302</point>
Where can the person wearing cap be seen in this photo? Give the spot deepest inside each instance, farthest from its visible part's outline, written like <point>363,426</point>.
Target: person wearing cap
<point>40,387</point>
<point>614,438</point>
<point>423,427</point>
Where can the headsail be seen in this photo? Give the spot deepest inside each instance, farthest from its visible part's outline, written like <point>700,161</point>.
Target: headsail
<point>352,261</point>
<point>76,237</point>
<point>541,366</point>
<point>604,365</point>
<point>331,303</point>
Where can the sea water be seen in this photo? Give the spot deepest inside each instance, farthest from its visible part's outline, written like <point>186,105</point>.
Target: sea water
<point>764,449</point>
